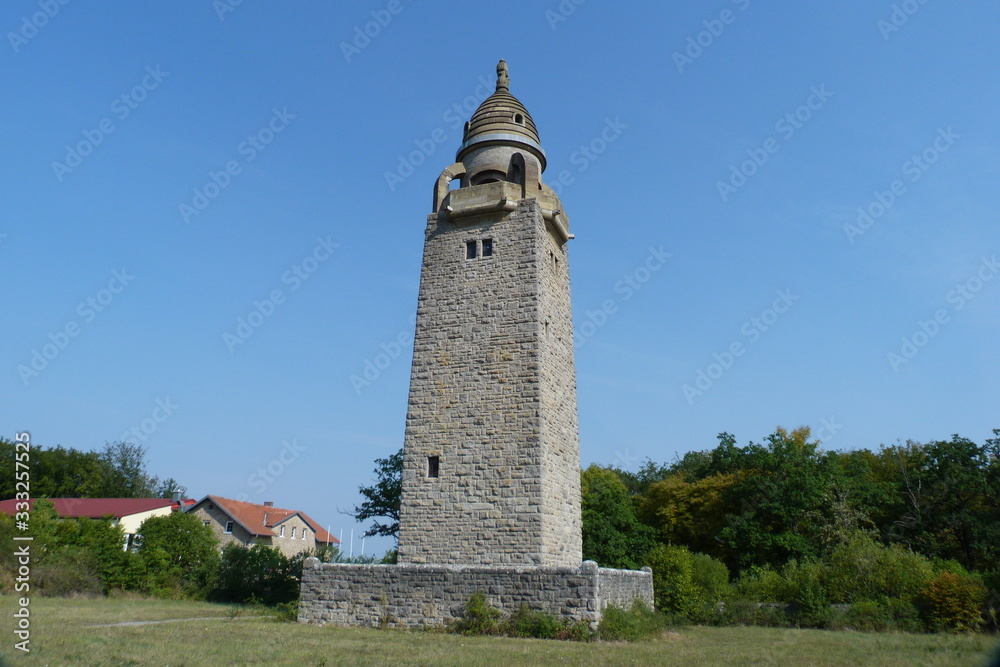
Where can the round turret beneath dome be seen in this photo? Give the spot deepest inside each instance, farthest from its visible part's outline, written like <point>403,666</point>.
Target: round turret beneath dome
<point>499,128</point>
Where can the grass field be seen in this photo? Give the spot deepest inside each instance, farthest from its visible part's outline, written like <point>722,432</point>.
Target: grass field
<point>69,632</point>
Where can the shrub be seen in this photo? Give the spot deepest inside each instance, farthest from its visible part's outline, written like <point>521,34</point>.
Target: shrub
<point>861,569</point>
<point>868,617</point>
<point>482,618</point>
<point>526,622</point>
<point>884,616</point>
<point>808,594</point>
<point>638,622</point>
<point>992,582</point>
<point>261,573</point>
<point>287,611</point>
<point>67,573</point>
<point>710,577</point>
<point>479,617</point>
<point>762,584</point>
<point>674,591</point>
<point>954,602</point>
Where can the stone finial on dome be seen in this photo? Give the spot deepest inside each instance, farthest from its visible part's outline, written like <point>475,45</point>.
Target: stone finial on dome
<point>503,78</point>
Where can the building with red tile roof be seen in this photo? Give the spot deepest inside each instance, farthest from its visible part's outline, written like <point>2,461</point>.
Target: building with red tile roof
<point>290,531</point>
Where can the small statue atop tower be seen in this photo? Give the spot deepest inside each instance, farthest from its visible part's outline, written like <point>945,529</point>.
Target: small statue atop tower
<point>503,78</point>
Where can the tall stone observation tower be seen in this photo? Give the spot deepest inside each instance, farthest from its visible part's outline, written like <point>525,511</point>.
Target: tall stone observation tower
<point>491,471</point>
<point>491,466</point>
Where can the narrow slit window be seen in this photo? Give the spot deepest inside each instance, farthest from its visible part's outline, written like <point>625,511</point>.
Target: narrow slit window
<point>487,247</point>
<point>470,250</point>
<point>433,466</point>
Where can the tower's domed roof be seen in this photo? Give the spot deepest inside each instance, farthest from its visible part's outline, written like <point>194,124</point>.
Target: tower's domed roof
<point>501,120</point>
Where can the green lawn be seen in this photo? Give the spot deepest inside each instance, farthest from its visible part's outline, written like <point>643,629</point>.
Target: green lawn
<point>63,634</point>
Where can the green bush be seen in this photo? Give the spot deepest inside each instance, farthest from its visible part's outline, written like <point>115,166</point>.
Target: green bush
<point>638,622</point>
<point>763,584</point>
<point>868,617</point>
<point>884,616</point>
<point>955,602</point>
<point>479,617</point>
<point>991,580</point>
<point>525,622</point>
<point>674,591</point>
<point>261,573</point>
<point>711,576</point>
<point>482,618</point>
<point>861,569</point>
<point>287,611</point>
<point>808,593</point>
<point>68,573</point>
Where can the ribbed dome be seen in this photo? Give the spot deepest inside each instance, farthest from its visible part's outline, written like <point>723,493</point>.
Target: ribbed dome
<point>501,120</point>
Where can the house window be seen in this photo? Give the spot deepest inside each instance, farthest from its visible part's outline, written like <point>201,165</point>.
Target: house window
<point>281,532</point>
<point>229,527</point>
<point>433,466</point>
<point>293,532</point>
<point>303,533</point>
<point>487,247</point>
<point>470,249</point>
<point>205,522</point>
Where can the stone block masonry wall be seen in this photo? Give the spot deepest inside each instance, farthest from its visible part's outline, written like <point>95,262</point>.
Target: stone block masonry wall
<point>412,595</point>
<point>492,398</point>
<point>622,588</point>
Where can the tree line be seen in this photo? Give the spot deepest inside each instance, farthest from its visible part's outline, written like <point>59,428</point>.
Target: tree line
<point>905,536</point>
<point>116,471</point>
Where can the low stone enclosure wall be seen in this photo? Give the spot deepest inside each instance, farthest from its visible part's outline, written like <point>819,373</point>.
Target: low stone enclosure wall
<point>411,595</point>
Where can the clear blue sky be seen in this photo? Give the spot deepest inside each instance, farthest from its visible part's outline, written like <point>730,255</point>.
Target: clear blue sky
<point>665,122</point>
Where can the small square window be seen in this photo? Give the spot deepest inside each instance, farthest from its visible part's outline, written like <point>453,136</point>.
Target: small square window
<point>470,250</point>
<point>229,526</point>
<point>487,247</point>
<point>433,466</point>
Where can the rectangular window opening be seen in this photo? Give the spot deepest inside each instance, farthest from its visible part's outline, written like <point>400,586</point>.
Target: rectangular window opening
<point>487,247</point>
<point>470,250</point>
<point>433,466</point>
<point>229,526</point>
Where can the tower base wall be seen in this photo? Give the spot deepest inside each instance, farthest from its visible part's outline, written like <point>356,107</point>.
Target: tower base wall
<point>418,595</point>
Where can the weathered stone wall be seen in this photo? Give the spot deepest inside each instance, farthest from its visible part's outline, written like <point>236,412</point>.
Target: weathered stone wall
<point>622,588</point>
<point>493,396</point>
<point>411,595</point>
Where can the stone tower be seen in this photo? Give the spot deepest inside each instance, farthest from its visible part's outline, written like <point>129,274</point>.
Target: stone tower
<point>491,471</point>
<point>491,465</point>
